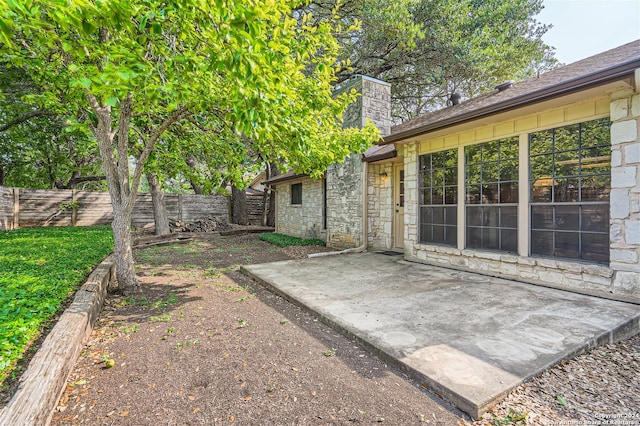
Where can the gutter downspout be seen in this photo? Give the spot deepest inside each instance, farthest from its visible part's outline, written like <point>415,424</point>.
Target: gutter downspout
<point>365,222</point>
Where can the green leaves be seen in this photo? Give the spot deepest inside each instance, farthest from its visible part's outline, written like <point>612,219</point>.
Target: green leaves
<point>39,269</point>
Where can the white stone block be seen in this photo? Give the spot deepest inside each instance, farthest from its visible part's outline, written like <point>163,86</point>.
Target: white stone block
<point>632,153</point>
<point>624,177</point>
<point>550,277</point>
<point>627,282</point>
<point>616,158</point>
<point>509,269</point>
<point>632,232</point>
<point>635,106</point>
<point>624,131</point>
<point>547,263</point>
<point>619,109</point>
<point>619,203</point>
<point>569,266</point>
<point>623,256</point>
<point>602,271</point>
<point>615,234</point>
<point>635,205</point>
<point>595,279</point>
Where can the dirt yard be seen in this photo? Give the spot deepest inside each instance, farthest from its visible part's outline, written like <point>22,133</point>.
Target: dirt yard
<point>203,344</point>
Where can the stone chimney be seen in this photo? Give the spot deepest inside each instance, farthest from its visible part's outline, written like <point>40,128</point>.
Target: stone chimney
<point>373,104</point>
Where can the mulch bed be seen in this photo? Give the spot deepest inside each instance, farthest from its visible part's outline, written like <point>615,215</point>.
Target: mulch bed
<point>204,344</point>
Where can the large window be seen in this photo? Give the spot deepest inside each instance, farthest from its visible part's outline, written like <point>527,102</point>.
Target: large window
<point>296,193</point>
<point>570,181</point>
<point>491,173</point>
<point>438,197</point>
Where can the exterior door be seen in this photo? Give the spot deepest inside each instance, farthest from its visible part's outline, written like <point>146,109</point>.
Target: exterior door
<point>398,206</point>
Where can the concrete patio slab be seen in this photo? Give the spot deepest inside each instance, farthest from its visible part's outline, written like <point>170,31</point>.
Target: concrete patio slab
<point>469,338</point>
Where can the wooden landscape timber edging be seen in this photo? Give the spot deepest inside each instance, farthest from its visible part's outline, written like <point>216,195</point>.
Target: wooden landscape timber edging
<point>42,384</point>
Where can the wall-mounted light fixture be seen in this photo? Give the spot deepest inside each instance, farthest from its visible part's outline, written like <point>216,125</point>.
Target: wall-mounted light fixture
<point>383,177</point>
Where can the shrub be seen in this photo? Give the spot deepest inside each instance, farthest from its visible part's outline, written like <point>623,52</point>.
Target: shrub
<point>282,240</point>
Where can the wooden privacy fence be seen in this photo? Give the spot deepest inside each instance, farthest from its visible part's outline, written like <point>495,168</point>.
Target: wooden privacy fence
<point>43,207</point>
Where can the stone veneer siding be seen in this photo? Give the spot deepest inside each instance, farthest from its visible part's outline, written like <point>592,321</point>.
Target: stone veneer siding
<point>621,277</point>
<point>625,190</point>
<point>300,220</point>
<point>380,206</point>
<point>344,203</point>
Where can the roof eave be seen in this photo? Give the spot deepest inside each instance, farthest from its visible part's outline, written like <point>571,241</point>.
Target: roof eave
<point>585,82</point>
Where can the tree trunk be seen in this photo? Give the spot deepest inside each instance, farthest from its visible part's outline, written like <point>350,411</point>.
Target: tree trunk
<point>271,217</point>
<point>2,176</point>
<point>265,197</point>
<point>159,207</point>
<point>239,213</point>
<point>191,162</point>
<point>125,268</point>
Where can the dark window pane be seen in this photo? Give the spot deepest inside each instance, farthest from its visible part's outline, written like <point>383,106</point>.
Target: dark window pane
<point>566,138</point>
<point>595,247</point>
<point>541,142</point>
<point>509,170</point>
<point>541,167</point>
<point>425,233</point>
<point>426,215</point>
<point>473,194</point>
<point>567,163</point>
<point>474,237</point>
<point>451,195</point>
<point>490,239</point>
<point>437,177</point>
<point>425,196</point>
<point>490,172</point>
<point>541,191</point>
<point>596,188</point>
<point>437,196</point>
<point>542,243</point>
<point>451,214</point>
<point>472,154</point>
<point>451,158</point>
<point>567,244</point>
<point>490,194</point>
<point>542,217</point>
<point>473,174</point>
<point>509,217</point>
<point>509,192</point>
<point>438,215</point>
<point>595,218</point>
<point>490,151</point>
<point>438,234</point>
<point>566,190</point>
<point>426,179</point>
<point>451,176</point>
<point>596,132</point>
<point>509,240</point>
<point>568,218</point>
<point>509,148</point>
<point>451,236</point>
<point>296,193</point>
<point>474,216</point>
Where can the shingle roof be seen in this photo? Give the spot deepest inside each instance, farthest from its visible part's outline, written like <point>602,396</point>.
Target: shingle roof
<point>589,72</point>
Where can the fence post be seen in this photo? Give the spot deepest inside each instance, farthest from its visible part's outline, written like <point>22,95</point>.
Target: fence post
<point>16,208</point>
<point>74,209</point>
<point>180,207</point>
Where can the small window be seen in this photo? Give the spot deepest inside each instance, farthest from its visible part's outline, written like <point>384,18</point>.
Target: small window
<point>296,193</point>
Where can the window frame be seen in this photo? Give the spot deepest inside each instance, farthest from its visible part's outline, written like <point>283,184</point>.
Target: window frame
<point>448,211</point>
<point>296,194</point>
<point>560,228</point>
<point>491,208</point>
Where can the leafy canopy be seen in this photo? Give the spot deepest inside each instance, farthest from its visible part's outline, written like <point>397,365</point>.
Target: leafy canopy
<point>248,66</point>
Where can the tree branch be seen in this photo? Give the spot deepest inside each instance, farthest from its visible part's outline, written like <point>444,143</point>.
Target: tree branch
<point>24,118</point>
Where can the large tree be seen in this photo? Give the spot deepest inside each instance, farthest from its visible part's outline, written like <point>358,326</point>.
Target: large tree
<point>429,49</point>
<point>139,68</point>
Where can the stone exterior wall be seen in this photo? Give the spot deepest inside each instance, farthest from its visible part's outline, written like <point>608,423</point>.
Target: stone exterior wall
<point>344,203</point>
<point>374,104</point>
<point>625,190</point>
<point>301,220</point>
<point>620,277</point>
<point>380,206</point>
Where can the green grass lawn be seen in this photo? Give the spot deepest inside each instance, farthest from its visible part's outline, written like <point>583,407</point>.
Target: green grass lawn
<point>282,240</point>
<point>39,269</point>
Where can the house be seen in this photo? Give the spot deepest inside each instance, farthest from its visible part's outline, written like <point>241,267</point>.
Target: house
<point>537,181</point>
